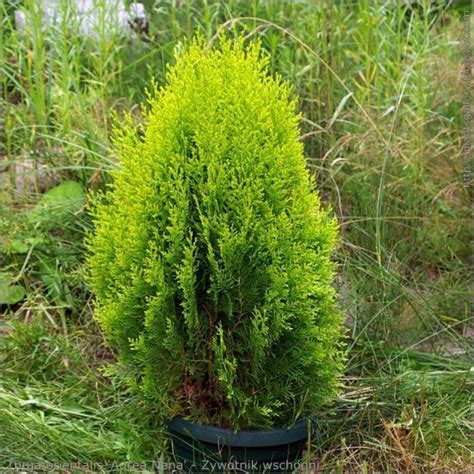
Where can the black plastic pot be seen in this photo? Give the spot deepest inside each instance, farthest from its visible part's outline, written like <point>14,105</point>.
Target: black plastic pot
<point>201,448</point>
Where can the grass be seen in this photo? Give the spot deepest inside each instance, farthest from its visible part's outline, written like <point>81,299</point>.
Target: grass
<point>381,95</point>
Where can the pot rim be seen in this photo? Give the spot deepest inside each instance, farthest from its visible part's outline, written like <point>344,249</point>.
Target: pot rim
<point>247,438</point>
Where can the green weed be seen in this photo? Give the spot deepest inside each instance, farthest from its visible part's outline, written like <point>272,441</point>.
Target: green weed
<point>381,95</point>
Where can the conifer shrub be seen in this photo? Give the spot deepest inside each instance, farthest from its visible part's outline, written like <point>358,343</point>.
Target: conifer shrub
<point>210,259</point>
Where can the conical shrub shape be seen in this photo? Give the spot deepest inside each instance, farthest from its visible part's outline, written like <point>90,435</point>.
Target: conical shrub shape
<point>210,259</point>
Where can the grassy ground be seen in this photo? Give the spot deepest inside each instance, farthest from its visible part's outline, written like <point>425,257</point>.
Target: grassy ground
<point>380,89</point>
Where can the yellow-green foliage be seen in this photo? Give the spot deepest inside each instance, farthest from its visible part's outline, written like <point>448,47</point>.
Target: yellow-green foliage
<point>211,254</point>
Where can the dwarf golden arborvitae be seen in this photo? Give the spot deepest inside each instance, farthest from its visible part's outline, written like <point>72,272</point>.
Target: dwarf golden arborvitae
<point>210,259</point>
